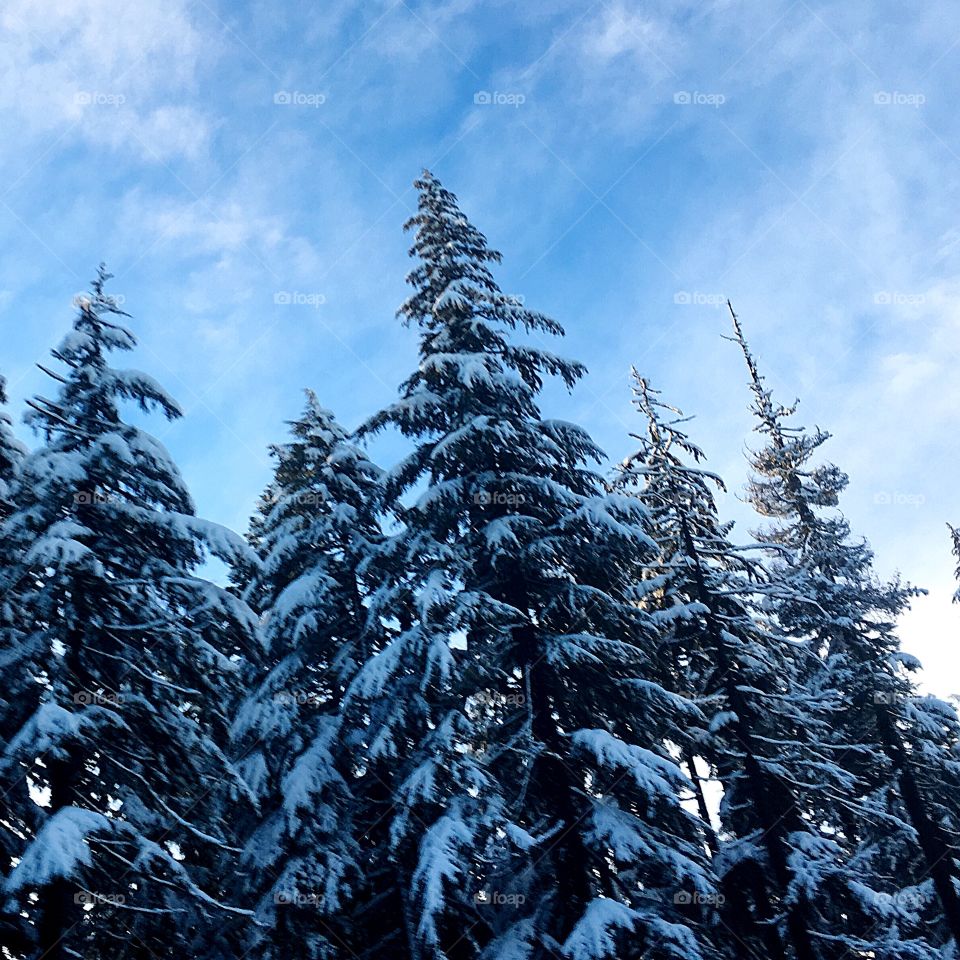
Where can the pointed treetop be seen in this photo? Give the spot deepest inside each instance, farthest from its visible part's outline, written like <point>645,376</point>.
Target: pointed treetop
<point>453,279</point>
<point>955,535</point>
<point>314,414</point>
<point>94,306</point>
<point>11,449</point>
<point>452,253</point>
<point>783,482</point>
<point>90,384</point>
<point>769,413</point>
<point>313,436</point>
<point>471,374</point>
<point>663,421</point>
<point>441,203</point>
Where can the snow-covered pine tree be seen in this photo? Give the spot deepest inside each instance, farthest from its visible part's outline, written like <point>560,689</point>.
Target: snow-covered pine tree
<point>902,825</point>
<point>763,741</point>
<point>315,527</point>
<point>12,452</point>
<point>955,549</point>
<point>19,692</point>
<point>538,808</point>
<point>138,656</point>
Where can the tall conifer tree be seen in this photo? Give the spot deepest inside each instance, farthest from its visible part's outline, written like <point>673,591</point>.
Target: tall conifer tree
<point>538,806</point>
<point>900,824</point>
<point>19,691</point>
<point>766,736</point>
<point>138,659</point>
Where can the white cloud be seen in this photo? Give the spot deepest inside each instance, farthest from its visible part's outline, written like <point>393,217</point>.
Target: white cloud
<point>107,72</point>
<point>206,225</point>
<point>801,198</point>
<point>620,30</point>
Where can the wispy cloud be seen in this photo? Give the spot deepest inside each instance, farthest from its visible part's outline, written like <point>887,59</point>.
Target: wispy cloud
<point>107,73</point>
<point>636,164</point>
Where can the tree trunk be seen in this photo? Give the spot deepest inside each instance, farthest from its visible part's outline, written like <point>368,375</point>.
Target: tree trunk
<point>937,853</point>
<point>772,816</point>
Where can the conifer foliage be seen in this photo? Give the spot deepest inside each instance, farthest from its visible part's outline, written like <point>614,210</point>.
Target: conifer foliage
<point>489,703</point>
<point>316,527</point>
<point>763,731</point>
<point>19,692</point>
<point>522,666</point>
<point>900,829</point>
<point>136,659</point>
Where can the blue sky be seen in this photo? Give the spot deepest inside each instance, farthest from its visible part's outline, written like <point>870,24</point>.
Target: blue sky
<point>245,169</point>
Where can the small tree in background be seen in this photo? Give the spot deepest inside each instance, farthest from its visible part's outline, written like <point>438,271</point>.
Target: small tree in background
<point>316,528</point>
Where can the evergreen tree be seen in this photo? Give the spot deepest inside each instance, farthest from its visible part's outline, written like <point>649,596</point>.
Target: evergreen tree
<point>12,452</point>
<point>138,657</point>
<point>900,826</point>
<point>765,739</point>
<point>537,805</point>
<point>18,693</point>
<point>955,549</point>
<point>316,525</point>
